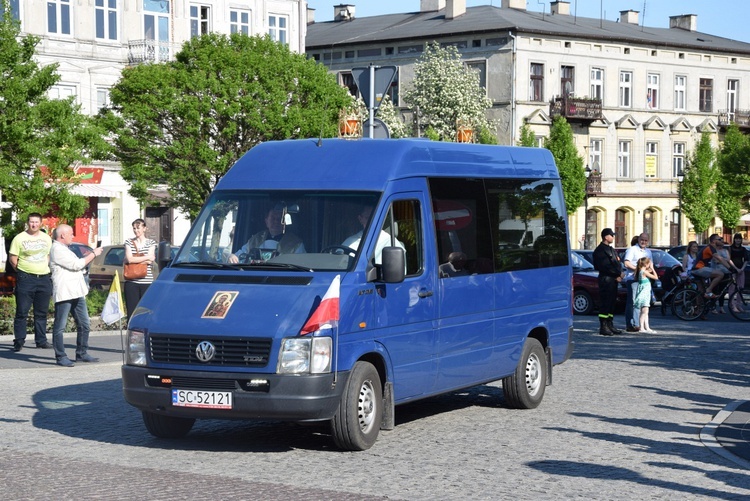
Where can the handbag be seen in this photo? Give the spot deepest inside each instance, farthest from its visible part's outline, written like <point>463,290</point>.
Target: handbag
<point>135,271</point>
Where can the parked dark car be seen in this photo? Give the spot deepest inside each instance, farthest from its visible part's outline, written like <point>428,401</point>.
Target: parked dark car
<point>667,268</point>
<point>586,286</point>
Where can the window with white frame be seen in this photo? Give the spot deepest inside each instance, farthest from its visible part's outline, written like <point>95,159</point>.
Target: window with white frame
<point>626,89</point>
<point>733,89</point>
<point>540,141</point>
<point>200,20</point>
<point>680,86</point>
<point>651,167</point>
<point>15,11</point>
<point>536,82</point>
<point>597,83</point>
<point>567,80</point>
<point>105,14</point>
<point>706,95</point>
<point>678,159</point>
<point>623,159</point>
<point>595,154</point>
<point>277,28</point>
<point>62,91</point>
<point>239,21</point>
<point>58,17</point>
<point>652,91</point>
<point>102,222</point>
<point>156,29</point>
<point>101,98</point>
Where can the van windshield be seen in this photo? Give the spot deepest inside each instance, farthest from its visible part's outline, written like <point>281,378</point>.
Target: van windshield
<point>279,230</point>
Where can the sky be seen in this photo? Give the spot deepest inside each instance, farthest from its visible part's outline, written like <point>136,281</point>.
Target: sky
<point>729,22</point>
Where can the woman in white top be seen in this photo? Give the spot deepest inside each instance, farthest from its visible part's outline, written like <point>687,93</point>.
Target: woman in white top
<point>134,247</point>
<point>688,260</point>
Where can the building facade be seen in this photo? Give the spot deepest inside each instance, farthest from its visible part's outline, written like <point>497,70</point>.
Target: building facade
<point>91,41</point>
<point>637,98</point>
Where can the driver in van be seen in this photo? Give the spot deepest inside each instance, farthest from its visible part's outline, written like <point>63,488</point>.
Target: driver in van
<point>274,238</point>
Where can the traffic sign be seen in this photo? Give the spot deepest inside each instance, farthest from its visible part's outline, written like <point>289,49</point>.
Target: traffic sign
<point>383,76</point>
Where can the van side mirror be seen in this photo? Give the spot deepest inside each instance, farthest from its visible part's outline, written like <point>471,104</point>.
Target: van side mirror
<point>393,269</point>
<point>164,254</point>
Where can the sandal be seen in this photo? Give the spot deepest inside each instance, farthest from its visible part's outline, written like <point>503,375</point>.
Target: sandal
<point>709,295</point>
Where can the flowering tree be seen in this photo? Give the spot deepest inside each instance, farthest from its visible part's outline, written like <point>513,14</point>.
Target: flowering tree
<point>444,92</point>
<point>390,117</point>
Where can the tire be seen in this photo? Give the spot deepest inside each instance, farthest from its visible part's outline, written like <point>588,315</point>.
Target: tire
<point>582,303</point>
<point>740,299</point>
<point>688,304</point>
<point>525,388</point>
<point>162,426</point>
<point>356,424</point>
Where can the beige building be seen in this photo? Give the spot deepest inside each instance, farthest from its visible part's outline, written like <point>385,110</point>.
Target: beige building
<point>638,98</point>
<point>93,40</point>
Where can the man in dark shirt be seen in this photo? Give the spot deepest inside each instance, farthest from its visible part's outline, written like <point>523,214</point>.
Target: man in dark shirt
<point>607,263</point>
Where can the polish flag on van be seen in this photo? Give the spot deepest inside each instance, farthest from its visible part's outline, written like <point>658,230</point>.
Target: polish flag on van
<point>326,315</point>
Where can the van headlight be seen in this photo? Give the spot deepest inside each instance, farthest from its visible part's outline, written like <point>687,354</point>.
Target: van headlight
<point>302,355</point>
<point>136,348</point>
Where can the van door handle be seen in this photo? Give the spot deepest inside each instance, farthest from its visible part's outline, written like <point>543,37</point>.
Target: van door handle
<point>425,293</point>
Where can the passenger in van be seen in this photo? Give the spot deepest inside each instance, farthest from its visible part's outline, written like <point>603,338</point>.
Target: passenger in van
<point>272,241</point>
<point>384,239</point>
<point>455,267</point>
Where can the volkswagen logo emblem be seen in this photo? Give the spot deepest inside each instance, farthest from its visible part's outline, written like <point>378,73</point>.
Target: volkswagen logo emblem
<point>205,351</point>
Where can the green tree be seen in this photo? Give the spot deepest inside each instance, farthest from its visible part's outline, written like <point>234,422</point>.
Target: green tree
<point>185,123</point>
<point>444,92</point>
<point>527,137</point>
<point>388,113</point>
<point>41,139</point>
<point>569,163</point>
<point>698,187</point>
<point>733,185</point>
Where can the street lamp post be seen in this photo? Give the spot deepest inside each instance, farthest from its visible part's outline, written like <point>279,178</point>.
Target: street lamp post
<point>680,179</point>
<point>587,173</point>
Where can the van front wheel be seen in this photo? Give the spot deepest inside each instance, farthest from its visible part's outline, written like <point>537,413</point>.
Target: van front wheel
<point>524,389</point>
<point>356,424</point>
<point>163,426</point>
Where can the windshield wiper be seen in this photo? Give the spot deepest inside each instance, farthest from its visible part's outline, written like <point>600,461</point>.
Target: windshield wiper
<point>209,264</point>
<point>282,265</point>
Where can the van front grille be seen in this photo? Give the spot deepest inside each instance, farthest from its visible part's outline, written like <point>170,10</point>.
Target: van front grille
<point>229,352</point>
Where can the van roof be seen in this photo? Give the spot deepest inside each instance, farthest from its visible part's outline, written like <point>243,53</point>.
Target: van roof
<point>369,164</point>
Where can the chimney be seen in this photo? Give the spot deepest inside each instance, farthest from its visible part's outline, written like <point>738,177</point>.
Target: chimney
<point>431,5</point>
<point>514,4</point>
<point>310,15</point>
<point>560,8</point>
<point>343,12</point>
<point>684,22</point>
<point>629,16</point>
<point>455,8</point>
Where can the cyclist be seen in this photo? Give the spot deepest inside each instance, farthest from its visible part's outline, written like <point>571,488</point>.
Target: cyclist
<point>703,266</point>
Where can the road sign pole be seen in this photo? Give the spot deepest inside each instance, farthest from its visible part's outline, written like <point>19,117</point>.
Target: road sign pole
<point>372,97</point>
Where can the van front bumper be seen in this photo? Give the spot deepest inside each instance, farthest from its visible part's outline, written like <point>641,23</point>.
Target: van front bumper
<point>289,397</point>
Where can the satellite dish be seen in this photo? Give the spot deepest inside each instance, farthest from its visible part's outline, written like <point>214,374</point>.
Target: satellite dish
<point>380,131</point>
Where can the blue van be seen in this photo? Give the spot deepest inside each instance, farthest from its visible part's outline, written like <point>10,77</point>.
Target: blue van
<point>333,280</point>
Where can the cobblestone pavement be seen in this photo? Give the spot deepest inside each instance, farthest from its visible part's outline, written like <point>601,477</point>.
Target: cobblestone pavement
<point>623,420</point>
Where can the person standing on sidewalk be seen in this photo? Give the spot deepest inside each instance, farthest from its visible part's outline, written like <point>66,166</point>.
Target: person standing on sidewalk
<point>632,255</point>
<point>607,263</point>
<point>70,290</point>
<point>29,255</point>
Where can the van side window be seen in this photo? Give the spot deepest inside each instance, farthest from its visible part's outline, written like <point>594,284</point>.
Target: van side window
<point>402,228</point>
<point>528,225</point>
<point>459,208</point>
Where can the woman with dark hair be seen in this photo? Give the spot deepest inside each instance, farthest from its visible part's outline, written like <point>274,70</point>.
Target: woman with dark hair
<point>738,256</point>
<point>139,249</point>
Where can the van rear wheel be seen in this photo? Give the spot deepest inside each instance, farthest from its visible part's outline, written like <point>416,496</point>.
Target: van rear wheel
<point>356,424</point>
<point>524,389</point>
<point>163,426</point>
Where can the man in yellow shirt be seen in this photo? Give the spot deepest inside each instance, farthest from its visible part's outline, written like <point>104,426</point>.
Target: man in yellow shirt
<point>29,255</point>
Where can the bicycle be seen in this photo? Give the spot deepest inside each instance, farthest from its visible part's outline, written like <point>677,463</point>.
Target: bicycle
<point>680,283</point>
<point>690,304</point>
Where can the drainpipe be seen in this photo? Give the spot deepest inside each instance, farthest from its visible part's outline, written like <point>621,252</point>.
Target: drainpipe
<point>513,92</point>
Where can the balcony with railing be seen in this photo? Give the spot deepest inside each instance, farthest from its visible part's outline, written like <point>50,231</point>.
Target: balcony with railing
<point>150,51</point>
<point>594,184</point>
<point>739,117</point>
<point>576,109</point>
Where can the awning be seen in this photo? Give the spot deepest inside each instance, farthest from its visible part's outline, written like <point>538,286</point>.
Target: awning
<point>745,219</point>
<point>94,190</point>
